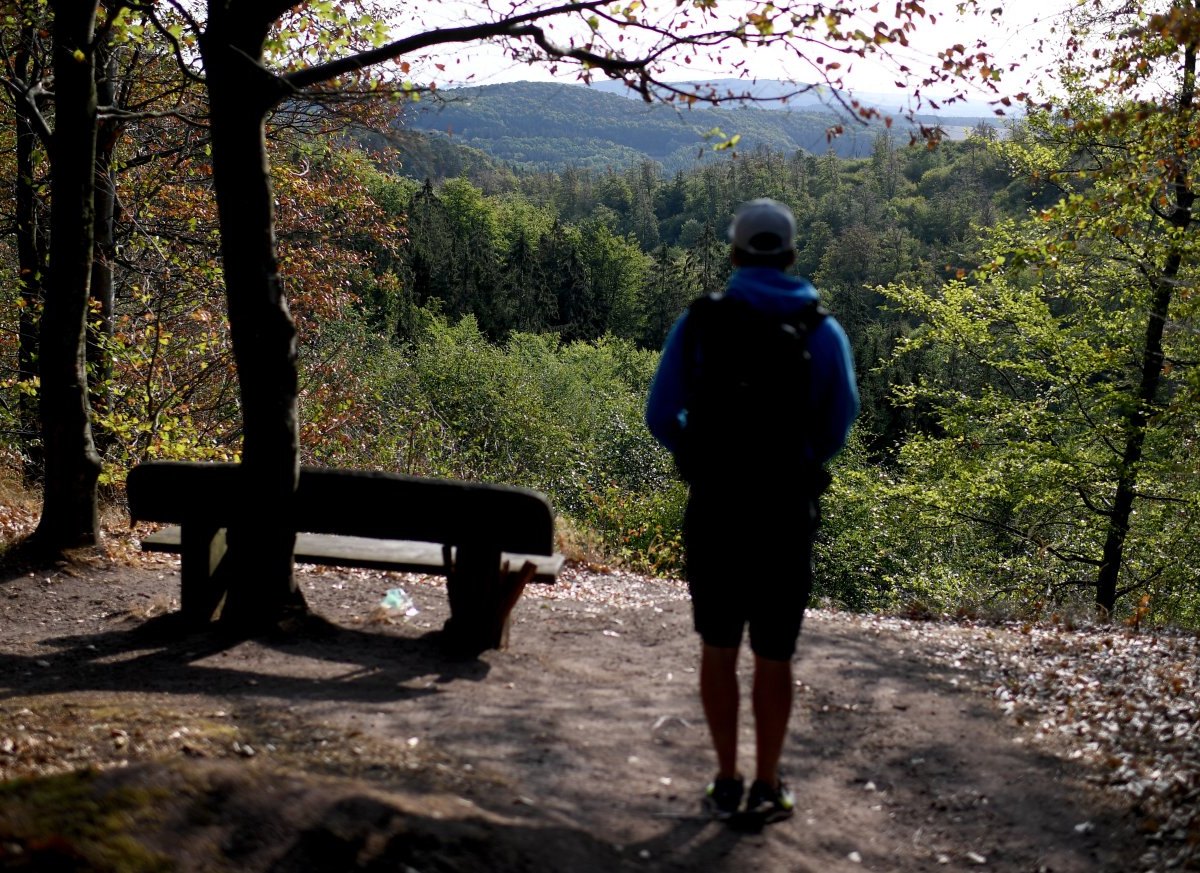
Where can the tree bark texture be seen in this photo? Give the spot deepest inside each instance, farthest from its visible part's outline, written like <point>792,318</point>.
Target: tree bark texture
<point>259,563</point>
<point>70,517</point>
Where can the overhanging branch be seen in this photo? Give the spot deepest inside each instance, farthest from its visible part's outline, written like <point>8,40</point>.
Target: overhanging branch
<point>315,75</point>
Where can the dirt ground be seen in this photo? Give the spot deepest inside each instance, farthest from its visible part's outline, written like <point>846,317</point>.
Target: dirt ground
<point>354,744</point>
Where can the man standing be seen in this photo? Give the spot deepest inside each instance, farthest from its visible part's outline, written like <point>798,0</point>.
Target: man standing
<point>754,393</point>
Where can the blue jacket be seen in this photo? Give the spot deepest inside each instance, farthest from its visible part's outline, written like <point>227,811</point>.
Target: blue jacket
<point>834,396</point>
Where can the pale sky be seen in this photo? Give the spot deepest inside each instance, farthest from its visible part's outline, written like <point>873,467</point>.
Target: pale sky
<point>1014,36</point>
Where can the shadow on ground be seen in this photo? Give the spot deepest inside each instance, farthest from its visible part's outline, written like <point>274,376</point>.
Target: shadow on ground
<point>581,748</point>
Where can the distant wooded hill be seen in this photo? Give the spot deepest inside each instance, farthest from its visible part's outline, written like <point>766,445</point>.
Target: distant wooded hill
<point>548,126</point>
<point>776,94</point>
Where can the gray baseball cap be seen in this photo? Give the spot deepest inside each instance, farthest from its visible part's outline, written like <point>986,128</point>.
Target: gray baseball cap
<point>763,227</point>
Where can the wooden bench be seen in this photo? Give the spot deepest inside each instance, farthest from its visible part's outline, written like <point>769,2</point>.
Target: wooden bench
<point>488,540</point>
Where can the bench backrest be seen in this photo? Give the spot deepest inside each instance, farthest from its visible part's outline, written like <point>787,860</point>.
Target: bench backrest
<point>354,503</point>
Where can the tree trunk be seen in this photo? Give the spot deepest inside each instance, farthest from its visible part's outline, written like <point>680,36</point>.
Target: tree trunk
<point>31,263</point>
<point>69,513</point>
<point>1180,218</point>
<point>1135,438</point>
<point>259,563</point>
<point>100,321</point>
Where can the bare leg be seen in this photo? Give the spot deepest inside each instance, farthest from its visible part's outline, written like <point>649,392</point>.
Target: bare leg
<point>719,695</point>
<point>772,698</point>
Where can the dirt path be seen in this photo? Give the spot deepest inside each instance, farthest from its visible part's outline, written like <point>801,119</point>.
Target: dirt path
<point>580,747</point>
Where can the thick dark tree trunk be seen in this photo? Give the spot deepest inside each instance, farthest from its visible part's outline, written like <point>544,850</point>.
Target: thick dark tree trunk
<point>69,512</point>
<point>259,564</point>
<point>31,262</point>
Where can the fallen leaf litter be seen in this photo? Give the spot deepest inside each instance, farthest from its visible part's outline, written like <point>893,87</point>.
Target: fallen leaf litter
<point>1125,703</point>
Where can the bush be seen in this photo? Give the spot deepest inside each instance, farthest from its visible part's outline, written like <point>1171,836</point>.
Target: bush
<point>565,419</point>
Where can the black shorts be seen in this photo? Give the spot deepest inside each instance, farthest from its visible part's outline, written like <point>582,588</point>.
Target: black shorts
<point>749,562</point>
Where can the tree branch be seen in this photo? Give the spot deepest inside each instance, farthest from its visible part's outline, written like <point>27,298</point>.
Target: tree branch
<point>26,95</point>
<point>309,76</point>
<point>150,12</point>
<point>106,113</point>
<point>1090,504</point>
<point>1068,557</point>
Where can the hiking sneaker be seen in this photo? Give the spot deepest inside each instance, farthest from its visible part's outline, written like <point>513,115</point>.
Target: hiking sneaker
<point>722,797</point>
<point>770,804</point>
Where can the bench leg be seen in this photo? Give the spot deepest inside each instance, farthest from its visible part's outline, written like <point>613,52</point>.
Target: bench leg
<point>512,585</point>
<point>476,594</point>
<point>200,593</point>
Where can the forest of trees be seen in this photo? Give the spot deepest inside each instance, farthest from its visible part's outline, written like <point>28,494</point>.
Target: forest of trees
<point>1020,304</point>
<point>547,126</point>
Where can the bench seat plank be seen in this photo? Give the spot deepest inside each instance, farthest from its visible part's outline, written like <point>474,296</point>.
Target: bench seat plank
<point>372,554</point>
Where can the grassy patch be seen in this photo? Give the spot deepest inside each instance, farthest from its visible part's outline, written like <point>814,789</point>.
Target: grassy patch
<point>68,822</point>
